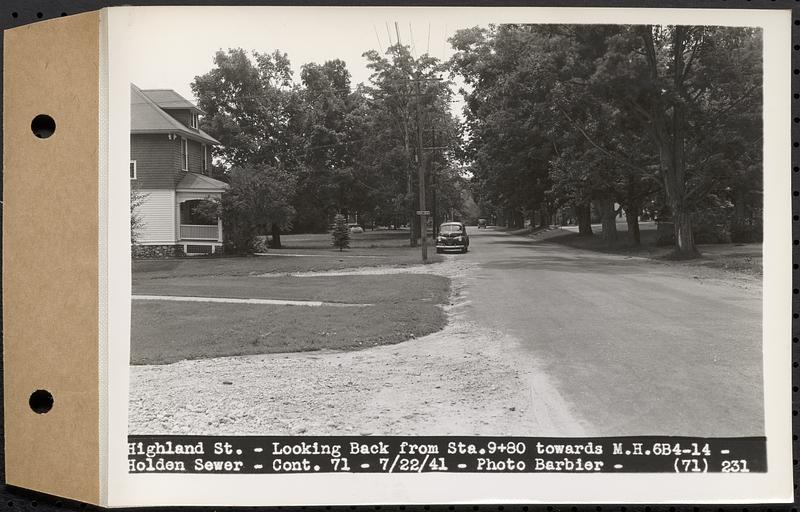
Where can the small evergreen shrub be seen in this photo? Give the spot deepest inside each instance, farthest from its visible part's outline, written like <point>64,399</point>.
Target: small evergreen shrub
<point>341,233</point>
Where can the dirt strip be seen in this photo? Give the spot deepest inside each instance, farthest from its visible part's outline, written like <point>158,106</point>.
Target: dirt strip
<point>228,300</point>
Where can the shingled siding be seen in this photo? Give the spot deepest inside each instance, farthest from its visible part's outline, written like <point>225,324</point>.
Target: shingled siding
<point>195,157</point>
<point>158,216</point>
<point>158,160</point>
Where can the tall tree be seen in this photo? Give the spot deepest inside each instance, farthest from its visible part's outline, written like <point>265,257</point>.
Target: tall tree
<point>619,115</point>
<point>506,139</point>
<point>331,128</point>
<point>249,103</point>
<point>685,85</point>
<point>408,100</point>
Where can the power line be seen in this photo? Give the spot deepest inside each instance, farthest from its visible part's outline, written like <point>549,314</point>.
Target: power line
<point>444,43</point>
<point>413,44</point>
<point>377,37</point>
<point>428,48</point>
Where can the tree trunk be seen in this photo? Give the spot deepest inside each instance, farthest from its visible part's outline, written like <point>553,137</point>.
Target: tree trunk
<point>276,236</point>
<point>544,217</point>
<point>518,219</point>
<point>632,212</point>
<point>684,239</point>
<point>608,217</point>
<point>669,133</point>
<point>584,214</point>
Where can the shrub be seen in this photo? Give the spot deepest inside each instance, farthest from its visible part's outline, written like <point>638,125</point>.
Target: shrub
<point>746,233</point>
<point>341,233</point>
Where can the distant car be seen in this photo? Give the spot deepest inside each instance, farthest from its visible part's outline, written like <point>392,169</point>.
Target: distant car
<point>355,228</point>
<point>481,223</point>
<point>452,236</point>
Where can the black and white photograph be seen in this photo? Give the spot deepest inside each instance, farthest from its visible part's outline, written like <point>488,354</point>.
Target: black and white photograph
<point>368,244</point>
<point>446,228</point>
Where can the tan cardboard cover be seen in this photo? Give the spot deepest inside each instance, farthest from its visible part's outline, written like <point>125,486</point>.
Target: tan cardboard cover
<point>50,256</point>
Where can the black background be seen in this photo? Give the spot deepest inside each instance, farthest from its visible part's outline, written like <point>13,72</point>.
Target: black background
<point>14,13</point>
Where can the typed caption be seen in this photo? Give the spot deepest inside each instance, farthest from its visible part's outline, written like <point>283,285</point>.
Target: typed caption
<point>367,454</point>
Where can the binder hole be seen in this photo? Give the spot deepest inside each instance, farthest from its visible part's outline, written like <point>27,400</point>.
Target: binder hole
<point>43,126</point>
<point>41,401</point>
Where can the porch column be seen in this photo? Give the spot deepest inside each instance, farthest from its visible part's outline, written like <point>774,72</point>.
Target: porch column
<point>219,230</point>
<point>177,220</point>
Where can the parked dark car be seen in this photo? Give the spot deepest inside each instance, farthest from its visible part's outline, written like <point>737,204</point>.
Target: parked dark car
<point>452,237</point>
<point>481,223</point>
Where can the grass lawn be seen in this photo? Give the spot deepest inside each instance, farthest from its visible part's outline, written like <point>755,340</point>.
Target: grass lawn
<point>739,258</point>
<point>300,253</point>
<point>382,238</point>
<point>370,289</point>
<point>402,306</point>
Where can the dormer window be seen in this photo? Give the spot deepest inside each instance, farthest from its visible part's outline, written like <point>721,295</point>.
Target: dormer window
<point>184,154</point>
<point>205,158</point>
<point>193,121</point>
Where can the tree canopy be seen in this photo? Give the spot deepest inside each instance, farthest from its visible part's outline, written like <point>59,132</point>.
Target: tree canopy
<point>615,117</point>
<point>348,150</point>
<point>576,121</point>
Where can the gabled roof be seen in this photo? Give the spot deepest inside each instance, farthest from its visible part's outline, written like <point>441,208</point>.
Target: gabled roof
<point>200,182</point>
<point>148,117</point>
<point>167,98</point>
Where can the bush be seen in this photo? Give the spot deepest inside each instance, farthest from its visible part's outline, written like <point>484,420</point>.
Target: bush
<point>746,234</point>
<point>341,233</point>
<point>711,234</point>
<point>703,234</point>
<point>260,244</point>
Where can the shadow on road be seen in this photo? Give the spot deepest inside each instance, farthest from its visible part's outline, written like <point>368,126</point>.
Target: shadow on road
<point>565,264</point>
<point>512,242</point>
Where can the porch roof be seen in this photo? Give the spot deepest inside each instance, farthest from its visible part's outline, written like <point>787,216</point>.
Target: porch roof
<point>194,182</point>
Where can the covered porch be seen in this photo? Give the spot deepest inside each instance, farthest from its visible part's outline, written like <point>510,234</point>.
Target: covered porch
<point>198,227</point>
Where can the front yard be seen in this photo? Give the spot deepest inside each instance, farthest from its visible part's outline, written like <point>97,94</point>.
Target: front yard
<point>357,310</point>
<point>300,253</point>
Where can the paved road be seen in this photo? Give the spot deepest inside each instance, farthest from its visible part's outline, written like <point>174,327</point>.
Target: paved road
<point>631,346</point>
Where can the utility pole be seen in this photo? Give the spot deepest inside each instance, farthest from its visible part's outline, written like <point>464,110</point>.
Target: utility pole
<point>422,213</point>
<point>434,182</point>
<point>434,179</point>
<point>423,219</point>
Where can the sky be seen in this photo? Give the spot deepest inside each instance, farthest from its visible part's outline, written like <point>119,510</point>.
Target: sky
<point>166,47</point>
<point>173,45</point>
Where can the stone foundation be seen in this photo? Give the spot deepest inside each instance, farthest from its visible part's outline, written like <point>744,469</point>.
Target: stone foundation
<point>157,251</point>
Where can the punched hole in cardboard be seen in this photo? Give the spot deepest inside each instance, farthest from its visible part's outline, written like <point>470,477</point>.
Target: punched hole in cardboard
<point>41,401</point>
<point>43,126</point>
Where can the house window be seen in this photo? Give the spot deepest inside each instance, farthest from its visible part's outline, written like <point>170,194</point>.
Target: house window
<point>193,121</point>
<point>133,169</point>
<point>184,154</point>
<point>205,158</point>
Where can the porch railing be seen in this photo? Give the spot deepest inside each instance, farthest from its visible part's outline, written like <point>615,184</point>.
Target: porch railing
<point>199,232</point>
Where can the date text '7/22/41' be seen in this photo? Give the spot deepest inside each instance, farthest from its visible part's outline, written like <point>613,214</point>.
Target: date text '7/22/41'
<point>396,454</point>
